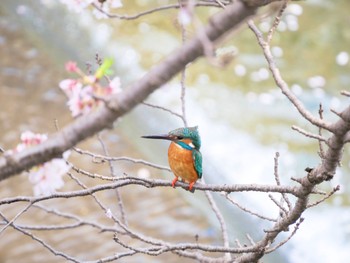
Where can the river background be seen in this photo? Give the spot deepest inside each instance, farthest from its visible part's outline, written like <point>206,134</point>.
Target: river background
<point>242,116</point>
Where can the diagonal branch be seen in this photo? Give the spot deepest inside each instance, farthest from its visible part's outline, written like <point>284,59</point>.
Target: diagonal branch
<point>283,85</point>
<point>124,102</point>
<point>323,172</point>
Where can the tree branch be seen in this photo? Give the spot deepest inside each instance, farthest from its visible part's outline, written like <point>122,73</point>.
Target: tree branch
<point>86,126</point>
<point>148,183</point>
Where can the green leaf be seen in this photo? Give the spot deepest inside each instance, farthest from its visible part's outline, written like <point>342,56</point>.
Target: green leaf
<point>105,68</point>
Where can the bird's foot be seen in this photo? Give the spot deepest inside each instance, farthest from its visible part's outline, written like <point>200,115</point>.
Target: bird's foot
<point>174,181</point>
<point>191,186</point>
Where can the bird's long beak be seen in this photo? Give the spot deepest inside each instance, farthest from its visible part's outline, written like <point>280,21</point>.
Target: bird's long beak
<point>162,137</point>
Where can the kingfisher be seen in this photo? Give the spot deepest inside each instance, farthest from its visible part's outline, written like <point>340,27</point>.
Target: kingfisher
<point>185,159</point>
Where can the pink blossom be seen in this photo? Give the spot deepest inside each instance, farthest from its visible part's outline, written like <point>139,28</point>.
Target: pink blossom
<point>114,86</point>
<point>83,93</point>
<point>81,103</point>
<point>70,87</point>
<point>28,139</point>
<point>47,178</point>
<point>71,66</point>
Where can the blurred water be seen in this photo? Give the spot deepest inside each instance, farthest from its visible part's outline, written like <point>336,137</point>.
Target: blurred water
<point>33,51</point>
<point>243,119</point>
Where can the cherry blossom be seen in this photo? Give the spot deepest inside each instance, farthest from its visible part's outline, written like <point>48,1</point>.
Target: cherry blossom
<point>114,86</point>
<point>84,93</point>
<point>70,87</point>
<point>46,178</point>
<point>71,66</point>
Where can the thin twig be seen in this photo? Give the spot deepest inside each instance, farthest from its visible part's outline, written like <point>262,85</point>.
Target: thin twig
<point>345,93</point>
<point>147,12</point>
<point>320,145</point>
<point>278,182</point>
<point>282,84</point>
<point>276,21</point>
<point>238,243</point>
<point>183,79</point>
<point>122,158</point>
<point>16,217</point>
<point>78,220</point>
<point>162,108</point>
<point>100,204</point>
<point>335,189</point>
<point>251,241</point>
<point>220,3</point>
<point>287,239</point>
<point>221,220</point>
<point>249,211</point>
<point>42,242</point>
<point>111,167</point>
<point>310,135</point>
<point>282,209</point>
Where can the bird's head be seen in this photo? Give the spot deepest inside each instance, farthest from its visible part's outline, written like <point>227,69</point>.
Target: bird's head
<point>188,135</point>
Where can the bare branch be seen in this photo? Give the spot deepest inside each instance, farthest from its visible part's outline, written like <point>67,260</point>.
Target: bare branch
<point>277,21</point>
<point>249,211</point>
<point>43,243</point>
<point>154,10</point>
<point>323,172</point>
<point>78,221</point>
<point>308,134</point>
<point>283,211</point>
<point>98,202</point>
<point>278,182</point>
<point>111,167</point>
<point>345,93</point>
<point>148,183</point>
<point>287,239</point>
<point>222,222</point>
<point>162,108</point>
<point>220,3</point>
<point>85,126</point>
<point>283,85</point>
<point>123,158</point>
<point>183,78</point>
<point>320,145</point>
<point>335,189</point>
<point>16,217</point>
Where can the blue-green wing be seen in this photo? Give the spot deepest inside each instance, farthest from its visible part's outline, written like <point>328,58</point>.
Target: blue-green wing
<point>197,160</point>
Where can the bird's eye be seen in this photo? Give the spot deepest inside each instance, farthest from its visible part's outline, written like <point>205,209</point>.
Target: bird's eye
<point>180,137</point>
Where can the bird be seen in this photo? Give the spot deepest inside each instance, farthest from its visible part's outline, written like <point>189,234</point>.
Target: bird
<point>185,159</point>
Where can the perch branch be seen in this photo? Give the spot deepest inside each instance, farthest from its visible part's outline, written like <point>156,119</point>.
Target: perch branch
<point>120,104</point>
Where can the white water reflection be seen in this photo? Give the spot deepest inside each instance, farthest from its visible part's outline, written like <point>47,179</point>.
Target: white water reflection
<point>240,131</point>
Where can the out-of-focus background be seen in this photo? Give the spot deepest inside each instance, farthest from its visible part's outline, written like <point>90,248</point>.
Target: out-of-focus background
<point>242,116</point>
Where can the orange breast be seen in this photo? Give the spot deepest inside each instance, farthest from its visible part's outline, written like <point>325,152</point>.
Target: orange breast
<point>181,163</point>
